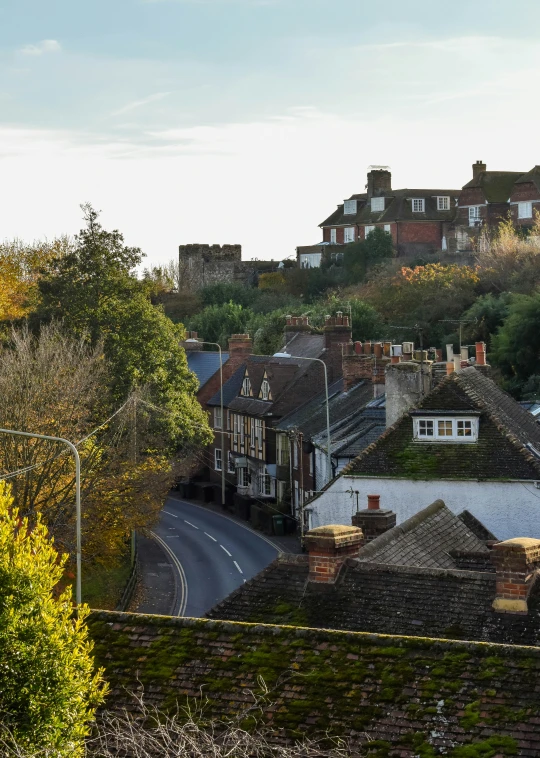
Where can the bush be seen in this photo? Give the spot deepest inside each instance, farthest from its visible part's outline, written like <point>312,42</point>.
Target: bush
<point>48,691</point>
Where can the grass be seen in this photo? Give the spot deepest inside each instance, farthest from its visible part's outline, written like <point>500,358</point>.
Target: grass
<point>102,586</point>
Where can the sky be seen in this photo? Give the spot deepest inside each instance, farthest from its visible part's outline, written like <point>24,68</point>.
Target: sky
<point>248,121</point>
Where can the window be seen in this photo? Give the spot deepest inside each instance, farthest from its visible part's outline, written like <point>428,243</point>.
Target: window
<point>252,433</point>
<point>265,484</point>
<point>333,236</point>
<point>311,464</point>
<point>230,464</point>
<point>474,215</point>
<point>310,260</point>
<point>265,389</point>
<point>443,203</point>
<point>418,205</point>
<point>377,204</point>
<point>294,454</point>
<point>425,428</point>
<point>243,477</point>
<point>524,210</point>
<point>388,228</point>
<point>282,450</point>
<point>217,418</point>
<point>236,429</point>
<point>241,427</point>
<point>349,234</point>
<point>368,230</point>
<point>446,429</point>
<point>349,207</point>
<point>246,387</point>
<point>258,432</point>
<point>217,459</point>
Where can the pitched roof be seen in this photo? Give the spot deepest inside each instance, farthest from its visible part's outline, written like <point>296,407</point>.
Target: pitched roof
<point>426,539</point>
<point>532,176</point>
<point>204,364</point>
<point>507,438</point>
<point>398,207</point>
<point>496,185</point>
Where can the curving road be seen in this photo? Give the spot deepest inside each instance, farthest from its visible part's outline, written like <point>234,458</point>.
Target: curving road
<point>211,554</point>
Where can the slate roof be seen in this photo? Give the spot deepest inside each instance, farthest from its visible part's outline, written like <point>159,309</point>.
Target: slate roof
<point>398,207</point>
<point>496,185</point>
<point>404,582</point>
<point>286,377</point>
<point>204,364</point>
<point>503,450</point>
<point>426,539</point>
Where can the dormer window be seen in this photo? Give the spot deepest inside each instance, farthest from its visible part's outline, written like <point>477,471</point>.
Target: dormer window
<point>443,203</point>
<point>350,207</point>
<point>377,204</point>
<point>265,389</point>
<point>246,387</point>
<point>418,205</point>
<point>446,429</point>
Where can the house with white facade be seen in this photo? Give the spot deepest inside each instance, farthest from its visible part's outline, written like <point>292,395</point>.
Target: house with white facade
<point>466,442</point>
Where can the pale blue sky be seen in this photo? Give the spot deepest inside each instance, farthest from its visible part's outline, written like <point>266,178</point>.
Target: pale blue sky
<point>249,120</point>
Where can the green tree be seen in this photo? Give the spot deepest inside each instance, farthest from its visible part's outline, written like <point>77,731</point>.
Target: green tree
<point>227,292</point>
<point>516,346</point>
<point>49,689</point>
<point>486,314</point>
<point>216,323</point>
<point>361,256</point>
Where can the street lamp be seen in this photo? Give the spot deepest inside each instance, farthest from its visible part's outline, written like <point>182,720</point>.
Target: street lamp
<point>302,358</point>
<point>215,344</point>
<point>77,494</point>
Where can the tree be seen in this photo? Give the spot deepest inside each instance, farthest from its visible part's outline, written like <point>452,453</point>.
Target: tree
<point>228,292</point>
<point>216,323</point>
<point>49,690</point>
<point>359,257</point>
<point>20,265</point>
<point>485,316</point>
<point>509,259</point>
<point>516,346</point>
<point>273,281</point>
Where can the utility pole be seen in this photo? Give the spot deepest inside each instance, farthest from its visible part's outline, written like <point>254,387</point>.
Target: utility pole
<point>460,322</point>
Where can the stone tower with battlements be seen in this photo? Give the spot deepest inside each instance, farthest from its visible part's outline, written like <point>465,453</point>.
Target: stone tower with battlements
<point>201,265</point>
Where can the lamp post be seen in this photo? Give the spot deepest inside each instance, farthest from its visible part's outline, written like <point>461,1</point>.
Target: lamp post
<point>215,344</point>
<point>302,358</point>
<point>77,494</point>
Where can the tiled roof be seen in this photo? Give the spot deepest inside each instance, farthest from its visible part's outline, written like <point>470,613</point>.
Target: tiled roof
<point>388,599</point>
<point>496,185</point>
<point>426,539</point>
<point>204,364</point>
<point>501,452</point>
<point>398,207</point>
<point>531,176</point>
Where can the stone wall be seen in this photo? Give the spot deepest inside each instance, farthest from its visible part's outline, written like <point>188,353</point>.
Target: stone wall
<point>408,696</point>
<point>202,265</point>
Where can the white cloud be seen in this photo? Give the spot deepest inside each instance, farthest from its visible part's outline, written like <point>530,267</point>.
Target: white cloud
<point>45,46</point>
<point>139,103</point>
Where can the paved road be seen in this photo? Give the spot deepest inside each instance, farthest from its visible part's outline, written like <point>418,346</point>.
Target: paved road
<point>213,555</point>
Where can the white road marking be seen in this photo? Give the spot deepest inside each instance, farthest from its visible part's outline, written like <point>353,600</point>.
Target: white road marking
<point>190,524</point>
<point>181,574</point>
<point>170,514</point>
<point>172,536</point>
<point>224,548</point>
<point>238,567</point>
<point>209,535</point>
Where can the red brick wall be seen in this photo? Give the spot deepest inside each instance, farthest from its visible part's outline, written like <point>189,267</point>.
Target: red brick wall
<point>421,231</point>
<point>326,235</point>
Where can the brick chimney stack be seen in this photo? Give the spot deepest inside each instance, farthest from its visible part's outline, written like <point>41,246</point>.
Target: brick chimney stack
<point>517,565</point>
<point>337,335</point>
<point>365,361</point>
<point>328,548</point>
<point>240,346</point>
<point>379,181</point>
<point>374,521</point>
<point>478,168</point>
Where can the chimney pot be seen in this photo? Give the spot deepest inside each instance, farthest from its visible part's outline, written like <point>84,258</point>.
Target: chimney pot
<point>358,348</point>
<point>478,168</point>
<point>449,368</point>
<point>373,502</point>
<point>378,349</point>
<point>480,353</point>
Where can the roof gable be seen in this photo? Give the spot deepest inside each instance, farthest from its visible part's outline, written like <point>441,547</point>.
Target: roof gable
<point>496,185</point>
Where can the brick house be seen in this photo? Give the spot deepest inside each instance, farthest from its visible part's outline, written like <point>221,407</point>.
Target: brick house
<point>525,198</point>
<point>416,219</point>
<point>483,201</point>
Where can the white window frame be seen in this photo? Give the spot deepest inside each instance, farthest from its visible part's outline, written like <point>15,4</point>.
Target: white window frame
<point>252,434</point>
<point>265,484</point>
<point>368,230</point>
<point>525,209</point>
<point>217,418</point>
<point>242,429</point>
<point>440,425</point>
<point>218,460</point>
<point>333,236</point>
<point>243,476</point>
<point>259,432</point>
<point>377,204</point>
<point>443,202</point>
<point>246,387</point>
<point>474,215</point>
<point>265,389</point>
<point>350,207</point>
<point>418,205</point>
<point>294,454</point>
<point>348,234</point>
<point>388,228</point>
<point>231,468</point>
